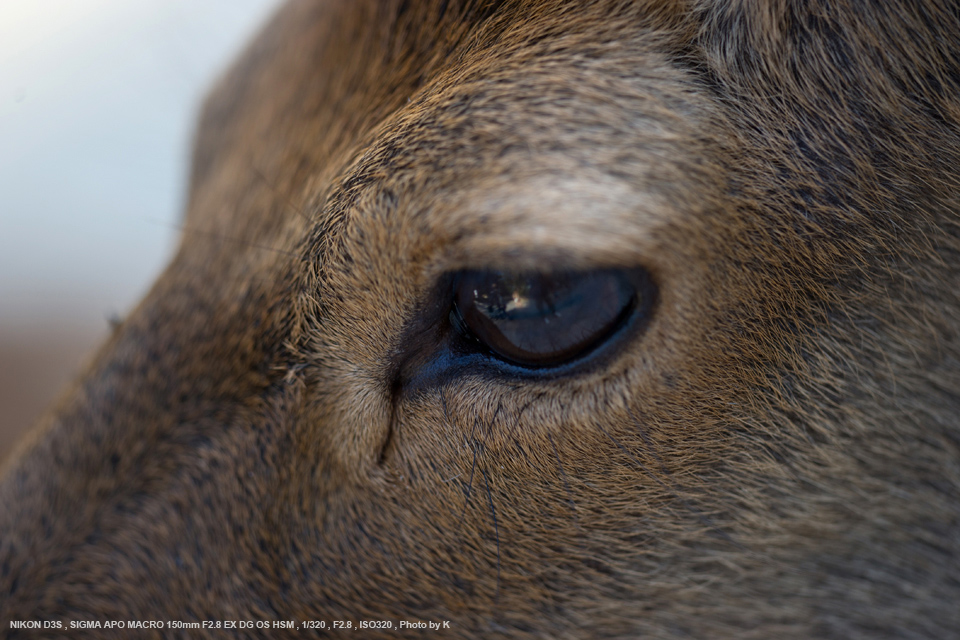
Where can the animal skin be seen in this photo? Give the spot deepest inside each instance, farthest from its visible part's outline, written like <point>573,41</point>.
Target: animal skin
<point>293,424</point>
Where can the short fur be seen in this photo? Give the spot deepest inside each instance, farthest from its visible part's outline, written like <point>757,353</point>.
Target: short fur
<point>777,455</point>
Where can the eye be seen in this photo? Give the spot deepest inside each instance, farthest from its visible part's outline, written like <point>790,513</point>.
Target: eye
<point>547,319</point>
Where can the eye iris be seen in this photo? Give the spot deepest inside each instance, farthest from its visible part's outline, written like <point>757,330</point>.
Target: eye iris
<point>543,319</point>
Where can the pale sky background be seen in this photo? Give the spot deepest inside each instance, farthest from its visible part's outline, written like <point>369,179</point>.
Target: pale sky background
<point>97,104</point>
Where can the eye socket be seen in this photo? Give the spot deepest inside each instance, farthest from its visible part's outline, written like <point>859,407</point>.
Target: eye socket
<point>546,319</point>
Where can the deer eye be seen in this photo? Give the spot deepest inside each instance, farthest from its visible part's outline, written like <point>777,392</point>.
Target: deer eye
<point>547,319</point>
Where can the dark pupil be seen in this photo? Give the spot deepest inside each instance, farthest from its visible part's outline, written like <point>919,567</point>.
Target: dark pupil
<point>539,319</point>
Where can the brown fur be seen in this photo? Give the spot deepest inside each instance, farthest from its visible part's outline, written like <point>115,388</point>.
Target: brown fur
<point>777,455</point>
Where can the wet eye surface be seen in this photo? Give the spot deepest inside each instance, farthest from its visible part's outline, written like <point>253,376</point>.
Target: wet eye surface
<point>547,319</point>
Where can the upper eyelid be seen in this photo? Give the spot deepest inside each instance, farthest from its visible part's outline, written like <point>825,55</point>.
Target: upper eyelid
<point>527,259</point>
<point>551,221</point>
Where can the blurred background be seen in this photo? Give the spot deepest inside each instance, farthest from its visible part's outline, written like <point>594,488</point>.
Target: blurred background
<point>97,103</point>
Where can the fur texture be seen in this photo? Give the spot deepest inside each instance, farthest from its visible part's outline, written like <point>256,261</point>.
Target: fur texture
<point>776,455</point>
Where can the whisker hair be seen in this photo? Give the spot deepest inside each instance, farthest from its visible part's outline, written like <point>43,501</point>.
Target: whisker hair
<point>219,236</point>
<point>283,196</point>
<point>496,529</point>
<point>563,477</point>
